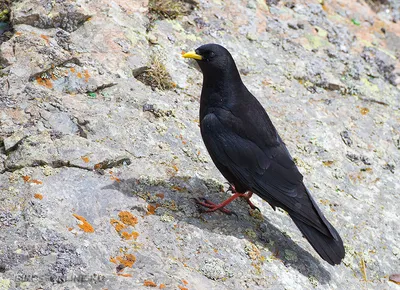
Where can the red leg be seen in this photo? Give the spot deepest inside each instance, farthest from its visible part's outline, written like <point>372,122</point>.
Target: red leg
<point>247,197</point>
<point>213,207</point>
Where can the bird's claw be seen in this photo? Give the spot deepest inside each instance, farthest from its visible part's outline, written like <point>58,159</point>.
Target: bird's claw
<point>212,206</point>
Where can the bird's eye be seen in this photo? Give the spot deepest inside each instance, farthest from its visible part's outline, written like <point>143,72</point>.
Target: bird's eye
<point>209,56</point>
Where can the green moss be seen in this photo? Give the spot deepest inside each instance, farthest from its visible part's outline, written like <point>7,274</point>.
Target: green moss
<point>250,233</point>
<point>5,284</point>
<point>316,41</point>
<point>313,281</point>
<point>355,21</point>
<point>4,15</point>
<point>290,255</point>
<point>371,88</point>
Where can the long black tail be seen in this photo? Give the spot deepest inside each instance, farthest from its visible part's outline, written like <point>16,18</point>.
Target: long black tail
<point>330,248</point>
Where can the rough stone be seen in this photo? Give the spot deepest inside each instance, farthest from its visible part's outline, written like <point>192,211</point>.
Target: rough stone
<point>83,142</point>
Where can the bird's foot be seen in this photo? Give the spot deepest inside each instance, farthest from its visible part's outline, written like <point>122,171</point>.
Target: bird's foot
<point>231,188</point>
<point>247,197</point>
<point>212,206</point>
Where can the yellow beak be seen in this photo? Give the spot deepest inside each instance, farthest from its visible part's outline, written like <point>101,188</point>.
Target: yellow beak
<point>192,54</point>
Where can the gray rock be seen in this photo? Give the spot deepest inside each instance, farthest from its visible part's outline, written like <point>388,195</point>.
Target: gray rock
<point>61,122</point>
<point>214,269</point>
<point>11,142</point>
<point>83,142</point>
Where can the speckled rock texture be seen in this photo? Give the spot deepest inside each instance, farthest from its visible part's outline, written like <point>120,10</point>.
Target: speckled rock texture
<point>101,156</point>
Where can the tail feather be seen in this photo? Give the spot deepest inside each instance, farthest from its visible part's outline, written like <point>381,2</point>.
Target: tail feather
<point>330,248</point>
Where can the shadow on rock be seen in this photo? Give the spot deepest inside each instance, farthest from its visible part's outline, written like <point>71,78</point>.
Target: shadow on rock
<point>178,194</point>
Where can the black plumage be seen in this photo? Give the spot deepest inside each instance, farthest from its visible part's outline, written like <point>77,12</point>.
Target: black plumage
<point>247,149</point>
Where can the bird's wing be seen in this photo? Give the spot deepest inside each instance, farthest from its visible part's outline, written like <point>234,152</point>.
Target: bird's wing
<point>269,171</point>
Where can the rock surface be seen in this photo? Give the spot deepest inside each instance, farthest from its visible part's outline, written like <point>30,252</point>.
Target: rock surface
<point>99,169</point>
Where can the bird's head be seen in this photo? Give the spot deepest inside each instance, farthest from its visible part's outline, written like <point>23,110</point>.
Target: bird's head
<point>212,58</point>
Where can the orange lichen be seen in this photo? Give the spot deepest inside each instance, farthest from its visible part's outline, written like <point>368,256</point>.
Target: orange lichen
<point>70,228</point>
<point>177,188</point>
<point>44,82</point>
<point>151,209</point>
<point>185,282</point>
<point>364,111</point>
<point>324,201</point>
<point>85,226</point>
<point>128,236</point>
<point>112,177</point>
<point>355,177</point>
<point>45,37</point>
<point>127,218</point>
<point>175,167</point>
<point>117,225</point>
<point>85,159</point>
<point>160,195</point>
<point>72,69</point>
<point>98,166</point>
<point>183,52</point>
<point>162,286</point>
<point>79,75</point>
<point>18,33</point>
<point>149,283</point>
<point>35,181</point>
<point>38,196</point>
<point>27,178</point>
<point>327,163</point>
<point>127,260</point>
<point>182,288</point>
<point>86,75</point>
<point>266,82</point>
<point>124,275</point>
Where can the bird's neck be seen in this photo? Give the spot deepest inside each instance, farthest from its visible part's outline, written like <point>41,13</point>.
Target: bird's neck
<point>221,90</point>
<point>223,80</point>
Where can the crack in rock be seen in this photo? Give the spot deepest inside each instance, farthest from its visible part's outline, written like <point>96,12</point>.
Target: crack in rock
<point>105,164</point>
<point>68,21</point>
<point>47,73</point>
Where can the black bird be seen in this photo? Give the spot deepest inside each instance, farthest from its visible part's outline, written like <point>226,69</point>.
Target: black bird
<point>247,149</point>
